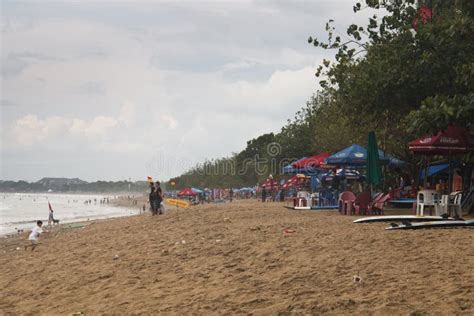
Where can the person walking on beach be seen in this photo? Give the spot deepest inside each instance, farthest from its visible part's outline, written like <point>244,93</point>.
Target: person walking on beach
<point>51,215</point>
<point>231,195</point>
<point>158,199</point>
<point>151,198</point>
<point>33,237</point>
<point>264,194</point>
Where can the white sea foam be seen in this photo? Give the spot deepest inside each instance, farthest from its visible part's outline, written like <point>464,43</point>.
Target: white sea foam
<point>22,210</point>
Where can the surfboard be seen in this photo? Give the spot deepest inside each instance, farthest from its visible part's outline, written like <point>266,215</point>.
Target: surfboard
<point>178,203</point>
<point>399,218</point>
<point>298,207</point>
<point>436,224</point>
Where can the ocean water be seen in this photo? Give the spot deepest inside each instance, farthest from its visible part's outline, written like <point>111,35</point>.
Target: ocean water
<point>22,210</point>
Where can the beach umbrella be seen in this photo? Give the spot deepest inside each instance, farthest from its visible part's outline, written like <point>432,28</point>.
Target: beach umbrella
<point>374,171</point>
<point>187,192</point>
<point>353,156</point>
<point>452,140</point>
<point>290,169</point>
<point>311,162</point>
<point>394,162</point>
<point>196,190</point>
<point>343,174</point>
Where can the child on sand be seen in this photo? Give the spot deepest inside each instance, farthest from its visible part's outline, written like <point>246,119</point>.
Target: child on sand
<point>33,238</point>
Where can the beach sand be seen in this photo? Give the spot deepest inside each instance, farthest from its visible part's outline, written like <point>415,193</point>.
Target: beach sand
<point>235,258</point>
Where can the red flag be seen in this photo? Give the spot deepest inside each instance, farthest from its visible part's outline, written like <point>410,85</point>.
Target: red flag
<point>50,208</point>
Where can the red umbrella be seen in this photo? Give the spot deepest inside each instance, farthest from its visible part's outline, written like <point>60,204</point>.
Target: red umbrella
<point>187,192</point>
<point>453,140</point>
<point>270,183</point>
<point>314,161</point>
<point>295,181</point>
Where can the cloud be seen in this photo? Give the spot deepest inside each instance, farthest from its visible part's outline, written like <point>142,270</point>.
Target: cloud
<point>193,79</point>
<point>99,126</point>
<point>170,121</point>
<point>29,129</point>
<point>127,114</point>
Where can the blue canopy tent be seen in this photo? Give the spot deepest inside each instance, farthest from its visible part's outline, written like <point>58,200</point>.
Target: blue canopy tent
<point>355,156</point>
<point>435,169</point>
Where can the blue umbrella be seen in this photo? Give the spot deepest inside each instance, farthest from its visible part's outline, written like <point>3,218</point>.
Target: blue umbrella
<point>289,168</point>
<point>394,162</point>
<point>196,190</point>
<point>354,155</point>
<point>343,174</point>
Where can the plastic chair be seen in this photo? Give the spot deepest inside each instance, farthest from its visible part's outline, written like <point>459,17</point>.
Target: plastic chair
<point>426,198</point>
<point>456,206</point>
<point>302,198</point>
<point>443,205</point>
<point>346,199</point>
<point>361,204</point>
<point>377,205</point>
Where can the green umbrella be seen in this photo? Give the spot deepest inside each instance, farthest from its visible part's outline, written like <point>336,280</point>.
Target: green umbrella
<point>374,172</point>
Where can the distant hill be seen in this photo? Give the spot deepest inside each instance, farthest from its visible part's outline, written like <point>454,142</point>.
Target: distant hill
<point>50,183</point>
<point>72,185</point>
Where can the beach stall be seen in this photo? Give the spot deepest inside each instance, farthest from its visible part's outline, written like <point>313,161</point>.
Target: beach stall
<point>450,142</point>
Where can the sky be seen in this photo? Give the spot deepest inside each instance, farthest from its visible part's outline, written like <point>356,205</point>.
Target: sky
<point>114,90</point>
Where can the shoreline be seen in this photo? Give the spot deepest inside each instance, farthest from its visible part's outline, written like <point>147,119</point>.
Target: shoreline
<point>116,202</point>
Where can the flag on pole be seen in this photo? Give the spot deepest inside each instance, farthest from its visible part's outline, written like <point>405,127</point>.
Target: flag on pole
<point>50,208</point>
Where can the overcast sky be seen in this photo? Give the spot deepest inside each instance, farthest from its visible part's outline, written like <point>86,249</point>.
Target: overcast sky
<point>113,90</point>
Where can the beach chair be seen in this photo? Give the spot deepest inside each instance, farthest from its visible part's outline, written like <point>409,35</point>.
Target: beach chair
<point>377,205</point>
<point>346,199</point>
<point>426,198</point>
<point>361,204</point>
<point>302,199</point>
<point>456,205</point>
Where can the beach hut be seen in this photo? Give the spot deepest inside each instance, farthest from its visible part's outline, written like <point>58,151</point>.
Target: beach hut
<point>451,141</point>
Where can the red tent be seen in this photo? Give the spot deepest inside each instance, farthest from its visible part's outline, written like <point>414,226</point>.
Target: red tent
<point>294,182</point>
<point>313,161</point>
<point>187,192</point>
<point>452,140</point>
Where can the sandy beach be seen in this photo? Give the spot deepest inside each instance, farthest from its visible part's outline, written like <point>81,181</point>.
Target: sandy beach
<point>235,258</point>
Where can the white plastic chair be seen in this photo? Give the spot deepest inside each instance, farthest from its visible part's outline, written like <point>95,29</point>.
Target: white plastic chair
<point>443,205</point>
<point>456,206</point>
<point>303,195</point>
<point>428,198</point>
